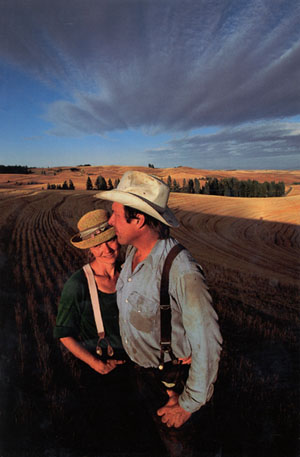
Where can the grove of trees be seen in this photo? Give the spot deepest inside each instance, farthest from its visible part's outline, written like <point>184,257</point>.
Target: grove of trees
<point>65,186</point>
<point>228,187</point>
<point>17,169</point>
<point>101,184</point>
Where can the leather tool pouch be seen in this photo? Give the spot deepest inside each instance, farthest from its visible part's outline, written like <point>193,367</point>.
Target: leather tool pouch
<point>174,376</point>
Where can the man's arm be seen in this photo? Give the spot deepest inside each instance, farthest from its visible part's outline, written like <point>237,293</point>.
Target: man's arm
<point>200,322</point>
<point>79,351</point>
<point>202,330</point>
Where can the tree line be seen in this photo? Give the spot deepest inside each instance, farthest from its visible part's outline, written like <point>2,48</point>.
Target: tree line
<point>65,186</point>
<point>228,187</point>
<point>15,169</point>
<point>101,184</point>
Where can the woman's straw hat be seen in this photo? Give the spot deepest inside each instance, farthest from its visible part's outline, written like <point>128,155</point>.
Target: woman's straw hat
<point>93,230</point>
<point>144,192</point>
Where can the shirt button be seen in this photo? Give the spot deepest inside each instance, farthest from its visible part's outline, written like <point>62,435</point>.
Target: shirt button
<point>129,279</point>
<point>126,301</point>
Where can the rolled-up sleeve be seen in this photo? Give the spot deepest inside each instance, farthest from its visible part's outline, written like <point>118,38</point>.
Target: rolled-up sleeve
<point>200,322</point>
<point>68,317</point>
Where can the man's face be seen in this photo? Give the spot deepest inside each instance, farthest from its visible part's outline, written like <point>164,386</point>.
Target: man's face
<point>125,231</point>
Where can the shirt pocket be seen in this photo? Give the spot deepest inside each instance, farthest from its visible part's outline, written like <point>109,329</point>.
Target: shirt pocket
<point>143,312</point>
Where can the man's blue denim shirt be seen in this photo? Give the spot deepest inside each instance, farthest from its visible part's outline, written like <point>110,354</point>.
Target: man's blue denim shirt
<point>195,330</point>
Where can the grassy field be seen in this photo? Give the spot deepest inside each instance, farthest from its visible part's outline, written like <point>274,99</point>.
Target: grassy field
<point>251,259</point>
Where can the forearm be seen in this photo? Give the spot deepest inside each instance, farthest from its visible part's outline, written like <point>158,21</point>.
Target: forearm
<point>201,326</point>
<point>78,350</point>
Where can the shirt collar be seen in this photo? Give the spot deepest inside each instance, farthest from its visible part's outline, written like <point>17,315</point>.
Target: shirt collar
<point>158,252</point>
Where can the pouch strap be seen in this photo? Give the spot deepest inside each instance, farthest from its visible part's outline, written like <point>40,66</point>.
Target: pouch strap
<point>165,308</point>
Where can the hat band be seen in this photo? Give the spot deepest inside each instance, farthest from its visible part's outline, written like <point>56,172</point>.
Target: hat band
<point>93,231</point>
<point>158,208</point>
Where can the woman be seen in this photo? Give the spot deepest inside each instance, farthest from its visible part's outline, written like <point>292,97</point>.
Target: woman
<point>75,323</point>
<point>107,414</point>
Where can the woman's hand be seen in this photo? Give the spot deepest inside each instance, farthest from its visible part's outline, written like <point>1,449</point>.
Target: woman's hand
<point>105,367</point>
<point>79,351</point>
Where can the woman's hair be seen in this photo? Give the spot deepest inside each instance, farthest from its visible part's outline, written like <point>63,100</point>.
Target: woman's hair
<point>160,228</point>
<point>90,256</point>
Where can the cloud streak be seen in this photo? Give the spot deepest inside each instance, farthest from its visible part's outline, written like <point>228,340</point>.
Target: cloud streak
<point>251,142</point>
<point>161,66</point>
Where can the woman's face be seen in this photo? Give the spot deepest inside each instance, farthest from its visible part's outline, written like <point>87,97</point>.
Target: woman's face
<point>107,252</point>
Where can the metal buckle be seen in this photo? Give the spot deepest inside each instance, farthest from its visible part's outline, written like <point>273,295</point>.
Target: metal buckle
<point>99,351</point>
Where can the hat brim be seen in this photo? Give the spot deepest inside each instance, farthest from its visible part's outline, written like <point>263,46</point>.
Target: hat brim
<point>132,200</point>
<point>91,242</point>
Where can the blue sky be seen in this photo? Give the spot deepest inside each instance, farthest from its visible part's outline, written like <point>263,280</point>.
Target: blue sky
<point>209,84</point>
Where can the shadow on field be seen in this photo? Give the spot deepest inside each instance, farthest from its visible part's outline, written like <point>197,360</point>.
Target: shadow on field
<point>54,406</point>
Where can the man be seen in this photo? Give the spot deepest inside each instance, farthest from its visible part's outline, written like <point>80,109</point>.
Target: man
<point>142,219</point>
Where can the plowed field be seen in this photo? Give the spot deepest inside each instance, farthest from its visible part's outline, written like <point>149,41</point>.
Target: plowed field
<point>250,251</point>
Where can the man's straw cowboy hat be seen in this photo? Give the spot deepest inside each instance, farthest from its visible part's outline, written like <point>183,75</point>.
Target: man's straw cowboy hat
<point>143,192</point>
<point>93,230</point>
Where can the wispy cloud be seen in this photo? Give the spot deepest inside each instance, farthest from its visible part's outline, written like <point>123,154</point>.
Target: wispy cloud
<point>162,66</point>
<point>256,142</point>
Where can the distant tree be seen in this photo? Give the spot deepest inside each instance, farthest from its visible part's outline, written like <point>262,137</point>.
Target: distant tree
<point>280,189</point>
<point>176,186</point>
<point>71,185</point>
<point>150,165</point>
<point>169,182</point>
<point>116,183</point>
<point>242,190</point>
<point>263,189</point>
<point>214,186</point>
<point>48,186</point>
<point>65,185</point>
<point>109,184</point>
<point>184,186</point>
<point>206,189</point>
<point>89,184</point>
<point>226,188</point>
<point>234,187</point>
<point>101,183</point>
<point>197,186</point>
<point>191,189</point>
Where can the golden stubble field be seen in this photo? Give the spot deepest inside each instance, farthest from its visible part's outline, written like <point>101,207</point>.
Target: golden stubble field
<point>250,251</point>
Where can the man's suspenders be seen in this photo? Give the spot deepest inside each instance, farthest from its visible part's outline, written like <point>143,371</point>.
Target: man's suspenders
<point>165,308</point>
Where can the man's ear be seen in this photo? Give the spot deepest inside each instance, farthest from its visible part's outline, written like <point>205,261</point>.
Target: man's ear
<point>140,220</point>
